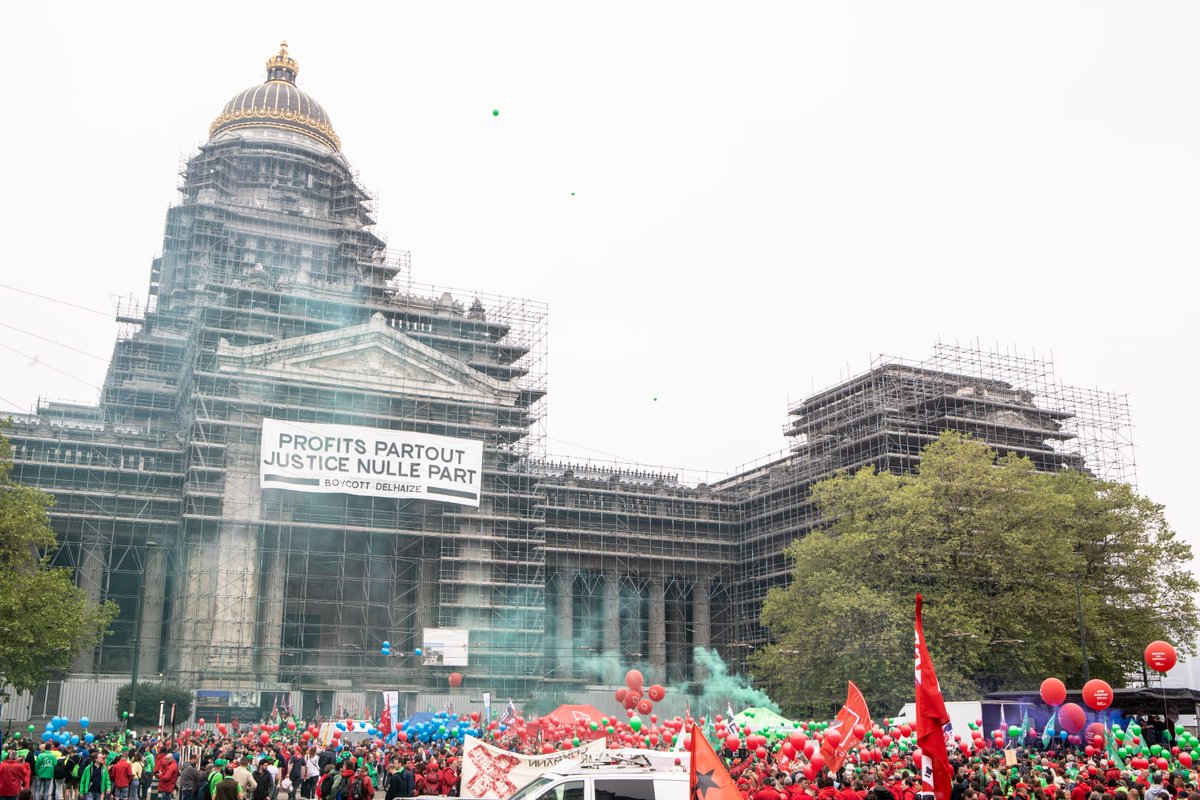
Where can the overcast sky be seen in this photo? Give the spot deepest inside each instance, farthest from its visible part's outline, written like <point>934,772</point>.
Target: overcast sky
<point>766,195</point>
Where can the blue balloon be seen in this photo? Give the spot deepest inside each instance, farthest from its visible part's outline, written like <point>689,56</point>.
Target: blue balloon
<point>341,726</point>
<point>74,739</point>
<point>84,722</point>
<point>387,644</point>
<point>418,652</point>
<point>89,738</point>
<point>46,736</point>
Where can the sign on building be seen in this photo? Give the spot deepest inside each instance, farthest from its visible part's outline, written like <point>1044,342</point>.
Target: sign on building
<point>445,646</point>
<point>349,459</point>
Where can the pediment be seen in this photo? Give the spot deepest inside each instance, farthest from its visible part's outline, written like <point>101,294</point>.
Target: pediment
<point>376,359</point>
<point>373,356</point>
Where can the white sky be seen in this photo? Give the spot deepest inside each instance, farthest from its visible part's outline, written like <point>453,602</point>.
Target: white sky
<point>767,194</point>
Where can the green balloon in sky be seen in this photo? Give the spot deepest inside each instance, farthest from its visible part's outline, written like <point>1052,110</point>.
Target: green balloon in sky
<point>495,112</point>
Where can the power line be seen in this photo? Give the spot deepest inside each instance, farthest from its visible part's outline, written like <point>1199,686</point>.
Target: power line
<point>37,360</point>
<point>56,300</point>
<point>52,341</point>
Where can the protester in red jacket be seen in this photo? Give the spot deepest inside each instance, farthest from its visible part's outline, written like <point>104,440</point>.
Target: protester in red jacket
<point>449,777</point>
<point>14,775</point>
<point>122,775</point>
<point>167,772</point>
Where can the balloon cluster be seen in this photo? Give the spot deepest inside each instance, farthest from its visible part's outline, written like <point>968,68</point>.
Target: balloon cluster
<point>637,699</point>
<point>441,726</point>
<point>56,731</point>
<point>385,649</point>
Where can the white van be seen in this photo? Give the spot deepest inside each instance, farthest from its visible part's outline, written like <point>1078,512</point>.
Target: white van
<point>610,777</point>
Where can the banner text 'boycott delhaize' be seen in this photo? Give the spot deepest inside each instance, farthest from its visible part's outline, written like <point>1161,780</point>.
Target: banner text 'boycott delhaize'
<point>350,459</point>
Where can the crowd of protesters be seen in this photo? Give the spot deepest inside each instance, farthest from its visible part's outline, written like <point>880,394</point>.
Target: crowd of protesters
<point>211,767</point>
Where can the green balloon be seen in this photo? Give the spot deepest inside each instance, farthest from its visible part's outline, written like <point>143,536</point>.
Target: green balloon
<point>635,724</point>
<point>1123,752</point>
<point>1156,749</point>
<point>575,742</point>
<point>495,112</point>
<point>31,729</point>
<point>611,730</point>
<point>593,725</point>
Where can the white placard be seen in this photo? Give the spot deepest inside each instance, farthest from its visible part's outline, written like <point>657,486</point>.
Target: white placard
<point>349,459</point>
<point>446,646</point>
<point>488,771</point>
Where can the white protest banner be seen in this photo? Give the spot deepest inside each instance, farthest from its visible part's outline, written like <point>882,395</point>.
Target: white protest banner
<point>349,459</point>
<point>491,772</point>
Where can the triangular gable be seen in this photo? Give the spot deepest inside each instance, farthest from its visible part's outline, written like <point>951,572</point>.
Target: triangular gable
<point>373,356</point>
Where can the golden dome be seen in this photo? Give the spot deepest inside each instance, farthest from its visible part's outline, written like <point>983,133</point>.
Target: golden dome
<point>277,103</point>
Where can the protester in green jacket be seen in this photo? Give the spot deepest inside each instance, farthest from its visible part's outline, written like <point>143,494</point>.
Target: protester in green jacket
<point>94,782</point>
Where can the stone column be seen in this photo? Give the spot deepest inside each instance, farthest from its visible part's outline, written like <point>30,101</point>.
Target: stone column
<point>427,595</point>
<point>235,607</point>
<point>612,616</point>
<point>270,636</point>
<point>90,577</point>
<point>701,621</point>
<point>154,578</point>
<point>564,645</point>
<point>235,612</point>
<point>657,633</point>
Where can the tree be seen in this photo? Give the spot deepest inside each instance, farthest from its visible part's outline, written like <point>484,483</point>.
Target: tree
<point>148,697</point>
<point>998,549</point>
<point>45,620</point>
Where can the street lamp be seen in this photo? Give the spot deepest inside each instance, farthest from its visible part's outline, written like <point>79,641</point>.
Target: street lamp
<point>137,635</point>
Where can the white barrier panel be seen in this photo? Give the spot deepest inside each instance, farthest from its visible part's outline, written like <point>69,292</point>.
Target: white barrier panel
<point>349,459</point>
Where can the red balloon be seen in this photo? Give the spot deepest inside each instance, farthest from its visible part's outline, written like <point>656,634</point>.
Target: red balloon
<point>797,739</point>
<point>455,680</point>
<point>1054,692</point>
<point>860,731</point>
<point>645,706</point>
<point>634,679</point>
<point>620,694</point>
<point>657,693</point>
<point>221,729</point>
<point>760,753</point>
<point>200,721</point>
<point>632,699</point>
<point>264,738</point>
<point>906,730</point>
<point>1071,718</point>
<point>834,738</point>
<point>1185,759</point>
<point>1097,694</point>
<point>733,743</point>
<point>1162,763</point>
<point>1160,657</point>
<point>291,724</point>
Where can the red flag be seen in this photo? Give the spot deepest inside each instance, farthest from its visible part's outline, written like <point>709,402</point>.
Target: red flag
<point>385,719</point>
<point>854,712</point>
<point>709,778</point>
<point>931,719</point>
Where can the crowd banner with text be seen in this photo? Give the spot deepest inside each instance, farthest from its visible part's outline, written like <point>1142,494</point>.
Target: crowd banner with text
<point>373,462</point>
<point>491,772</point>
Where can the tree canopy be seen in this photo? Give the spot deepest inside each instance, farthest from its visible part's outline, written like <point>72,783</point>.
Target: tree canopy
<point>149,695</point>
<point>998,550</point>
<point>45,619</point>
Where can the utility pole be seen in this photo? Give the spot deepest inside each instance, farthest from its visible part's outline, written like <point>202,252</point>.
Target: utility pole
<point>1082,629</point>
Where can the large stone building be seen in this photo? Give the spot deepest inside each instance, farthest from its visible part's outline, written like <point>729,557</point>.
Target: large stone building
<point>275,300</point>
